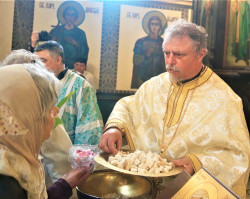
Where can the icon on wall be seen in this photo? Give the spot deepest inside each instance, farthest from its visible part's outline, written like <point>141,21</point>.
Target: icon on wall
<point>140,54</point>
<point>148,59</point>
<point>73,27</point>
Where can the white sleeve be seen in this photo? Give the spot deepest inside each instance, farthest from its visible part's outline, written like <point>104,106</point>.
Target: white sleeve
<point>55,152</point>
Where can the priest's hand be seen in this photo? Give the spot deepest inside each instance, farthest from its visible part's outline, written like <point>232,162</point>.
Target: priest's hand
<point>185,162</point>
<point>111,141</point>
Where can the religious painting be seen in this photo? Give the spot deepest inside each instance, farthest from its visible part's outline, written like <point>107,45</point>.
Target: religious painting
<point>206,17</point>
<point>52,20</point>
<point>140,54</point>
<point>237,44</point>
<point>6,24</point>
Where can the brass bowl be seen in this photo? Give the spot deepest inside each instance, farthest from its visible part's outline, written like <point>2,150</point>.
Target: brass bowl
<point>113,184</point>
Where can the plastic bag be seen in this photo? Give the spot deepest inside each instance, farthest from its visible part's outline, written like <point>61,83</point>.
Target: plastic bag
<point>83,156</point>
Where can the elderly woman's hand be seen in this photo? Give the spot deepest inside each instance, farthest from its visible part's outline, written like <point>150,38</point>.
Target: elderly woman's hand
<point>77,176</point>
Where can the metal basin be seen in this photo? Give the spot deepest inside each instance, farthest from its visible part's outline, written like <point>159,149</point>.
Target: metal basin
<point>112,184</point>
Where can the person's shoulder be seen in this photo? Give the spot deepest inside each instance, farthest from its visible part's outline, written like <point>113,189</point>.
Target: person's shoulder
<point>221,85</point>
<point>80,81</point>
<point>142,39</point>
<point>156,82</point>
<point>75,74</point>
<point>56,28</point>
<point>139,43</point>
<point>87,73</point>
<point>162,78</point>
<point>79,30</point>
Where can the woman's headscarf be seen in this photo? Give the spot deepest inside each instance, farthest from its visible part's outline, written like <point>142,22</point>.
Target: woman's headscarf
<point>21,129</point>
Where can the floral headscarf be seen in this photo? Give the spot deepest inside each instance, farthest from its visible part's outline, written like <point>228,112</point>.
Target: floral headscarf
<point>21,128</point>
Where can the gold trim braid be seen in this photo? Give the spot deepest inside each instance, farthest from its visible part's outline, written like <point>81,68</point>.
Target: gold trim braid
<point>196,163</point>
<point>178,95</point>
<point>115,125</point>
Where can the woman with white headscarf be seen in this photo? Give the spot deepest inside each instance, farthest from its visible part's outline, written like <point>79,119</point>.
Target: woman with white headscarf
<point>27,111</point>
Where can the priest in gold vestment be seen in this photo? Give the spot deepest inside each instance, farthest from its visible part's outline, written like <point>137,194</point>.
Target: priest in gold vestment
<point>188,114</point>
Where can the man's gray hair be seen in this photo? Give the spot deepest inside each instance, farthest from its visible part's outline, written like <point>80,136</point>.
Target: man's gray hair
<point>21,56</point>
<point>181,27</point>
<point>46,82</point>
<point>55,49</point>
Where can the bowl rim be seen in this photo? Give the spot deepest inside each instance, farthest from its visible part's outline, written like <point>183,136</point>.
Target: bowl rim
<point>148,179</point>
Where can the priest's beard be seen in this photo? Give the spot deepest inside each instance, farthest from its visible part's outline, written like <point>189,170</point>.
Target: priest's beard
<point>171,76</point>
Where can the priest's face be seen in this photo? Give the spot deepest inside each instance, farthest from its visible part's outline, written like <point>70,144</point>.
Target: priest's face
<point>182,62</point>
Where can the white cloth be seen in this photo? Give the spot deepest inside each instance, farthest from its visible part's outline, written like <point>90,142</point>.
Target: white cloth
<point>90,78</point>
<point>55,152</point>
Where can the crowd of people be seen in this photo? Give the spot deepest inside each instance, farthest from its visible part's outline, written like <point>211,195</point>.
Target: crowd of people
<point>188,115</point>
